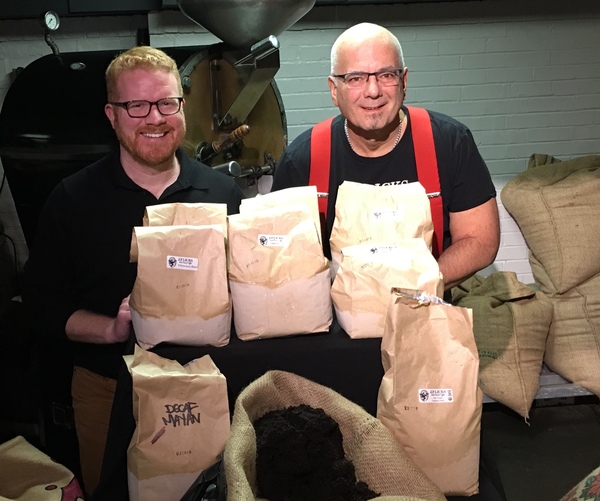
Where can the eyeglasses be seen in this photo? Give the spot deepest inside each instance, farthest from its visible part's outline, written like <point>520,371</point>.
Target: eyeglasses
<point>357,79</point>
<point>141,109</point>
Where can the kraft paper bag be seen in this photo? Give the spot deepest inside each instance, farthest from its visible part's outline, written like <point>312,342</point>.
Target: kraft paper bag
<point>278,275</point>
<point>367,273</point>
<point>180,213</point>
<point>182,424</point>
<point>181,293</point>
<point>429,395</point>
<point>366,214</point>
<point>290,196</point>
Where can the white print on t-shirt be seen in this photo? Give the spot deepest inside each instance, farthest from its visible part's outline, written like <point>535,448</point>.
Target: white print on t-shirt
<point>392,183</point>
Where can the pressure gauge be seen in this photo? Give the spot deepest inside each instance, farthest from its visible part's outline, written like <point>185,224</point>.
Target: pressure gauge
<point>51,20</point>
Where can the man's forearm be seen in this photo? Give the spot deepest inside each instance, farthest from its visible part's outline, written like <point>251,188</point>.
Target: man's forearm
<point>463,259</point>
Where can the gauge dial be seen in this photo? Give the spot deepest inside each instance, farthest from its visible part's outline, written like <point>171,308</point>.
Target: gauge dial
<point>51,20</point>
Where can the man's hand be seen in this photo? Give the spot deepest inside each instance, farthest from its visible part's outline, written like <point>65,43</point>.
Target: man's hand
<point>87,327</point>
<point>119,328</point>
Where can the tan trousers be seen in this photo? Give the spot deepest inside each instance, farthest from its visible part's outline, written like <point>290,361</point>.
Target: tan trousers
<point>92,403</point>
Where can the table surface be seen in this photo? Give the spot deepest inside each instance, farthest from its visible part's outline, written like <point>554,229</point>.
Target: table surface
<point>352,367</point>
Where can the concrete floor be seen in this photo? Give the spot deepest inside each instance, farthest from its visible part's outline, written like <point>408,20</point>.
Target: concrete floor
<point>543,460</point>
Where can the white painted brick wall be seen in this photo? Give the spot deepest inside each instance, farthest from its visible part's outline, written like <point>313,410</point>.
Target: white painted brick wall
<point>524,76</point>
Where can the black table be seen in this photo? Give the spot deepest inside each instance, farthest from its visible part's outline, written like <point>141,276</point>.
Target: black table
<point>352,367</point>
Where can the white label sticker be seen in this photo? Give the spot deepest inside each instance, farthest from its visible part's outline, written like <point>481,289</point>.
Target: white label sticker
<point>273,240</point>
<point>435,396</point>
<point>383,249</point>
<point>182,263</point>
<point>386,215</point>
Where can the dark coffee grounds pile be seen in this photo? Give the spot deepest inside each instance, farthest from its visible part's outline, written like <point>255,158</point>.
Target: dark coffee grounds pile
<point>300,457</point>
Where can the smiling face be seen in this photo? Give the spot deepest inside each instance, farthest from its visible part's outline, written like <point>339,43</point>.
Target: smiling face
<point>373,107</point>
<point>149,141</point>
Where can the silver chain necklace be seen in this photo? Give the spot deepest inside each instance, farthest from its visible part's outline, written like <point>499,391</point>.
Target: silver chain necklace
<point>396,141</point>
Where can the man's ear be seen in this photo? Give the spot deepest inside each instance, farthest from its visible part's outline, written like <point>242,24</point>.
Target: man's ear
<point>110,113</point>
<point>333,89</point>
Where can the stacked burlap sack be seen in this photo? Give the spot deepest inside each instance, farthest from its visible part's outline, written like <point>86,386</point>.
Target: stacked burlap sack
<point>510,322</point>
<point>556,205</point>
<point>379,460</point>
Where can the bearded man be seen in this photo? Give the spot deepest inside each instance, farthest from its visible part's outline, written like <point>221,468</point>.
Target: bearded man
<point>78,277</point>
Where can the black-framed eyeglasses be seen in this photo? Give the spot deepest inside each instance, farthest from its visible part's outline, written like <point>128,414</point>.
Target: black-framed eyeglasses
<point>141,109</point>
<point>357,79</point>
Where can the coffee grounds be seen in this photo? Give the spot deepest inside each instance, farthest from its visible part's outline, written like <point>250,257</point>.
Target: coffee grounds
<point>300,457</point>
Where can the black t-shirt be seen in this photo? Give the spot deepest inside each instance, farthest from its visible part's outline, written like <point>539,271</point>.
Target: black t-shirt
<point>464,178</point>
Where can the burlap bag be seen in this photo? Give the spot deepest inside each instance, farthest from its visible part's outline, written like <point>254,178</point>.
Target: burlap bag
<point>573,344</point>
<point>556,205</point>
<point>511,322</point>
<point>378,459</point>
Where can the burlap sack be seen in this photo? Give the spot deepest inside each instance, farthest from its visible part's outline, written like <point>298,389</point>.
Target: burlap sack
<point>27,474</point>
<point>556,205</point>
<point>429,396</point>
<point>378,459</point>
<point>278,275</point>
<point>511,322</point>
<point>366,213</point>
<point>573,344</point>
<point>182,424</point>
<point>366,275</point>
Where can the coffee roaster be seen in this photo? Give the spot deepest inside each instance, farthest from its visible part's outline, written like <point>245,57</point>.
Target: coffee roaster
<point>52,121</point>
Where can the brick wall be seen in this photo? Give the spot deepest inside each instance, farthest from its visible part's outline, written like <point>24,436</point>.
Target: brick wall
<point>524,76</point>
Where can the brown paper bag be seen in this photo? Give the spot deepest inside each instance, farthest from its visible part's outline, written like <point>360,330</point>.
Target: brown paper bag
<point>278,275</point>
<point>429,396</point>
<point>180,213</point>
<point>361,289</point>
<point>366,214</point>
<point>180,294</point>
<point>290,196</point>
<point>182,424</point>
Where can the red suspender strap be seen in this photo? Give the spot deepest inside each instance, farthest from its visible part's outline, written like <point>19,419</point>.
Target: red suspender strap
<point>320,161</point>
<point>427,172</point>
<point>425,158</point>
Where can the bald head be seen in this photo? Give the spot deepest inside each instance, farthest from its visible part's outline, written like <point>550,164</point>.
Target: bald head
<point>357,35</point>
